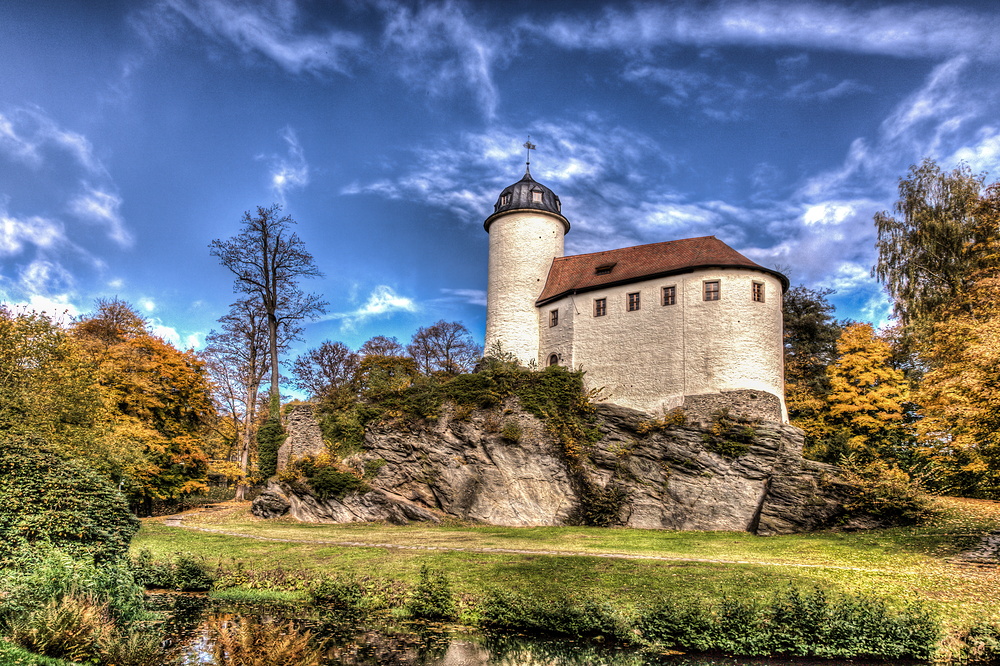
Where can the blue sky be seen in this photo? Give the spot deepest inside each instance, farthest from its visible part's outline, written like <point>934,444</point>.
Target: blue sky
<point>133,133</point>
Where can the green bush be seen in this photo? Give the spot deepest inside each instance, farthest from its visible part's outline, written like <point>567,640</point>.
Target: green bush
<point>887,493</point>
<point>270,436</point>
<point>729,436</point>
<point>47,500</point>
<point>191,574</point>
<point>794,624</point>
<point>149,573</point>
<point>331,483</point>
<point>333,593</point>
<point>57,574</point>
<point>601,507</point>
<point>512,611</point>
<point>431,598</point>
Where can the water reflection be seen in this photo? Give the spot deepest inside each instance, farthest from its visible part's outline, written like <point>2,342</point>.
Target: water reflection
<point>351,640</point>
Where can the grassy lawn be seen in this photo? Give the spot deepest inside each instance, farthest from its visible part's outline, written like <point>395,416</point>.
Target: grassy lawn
<point>904,564</point>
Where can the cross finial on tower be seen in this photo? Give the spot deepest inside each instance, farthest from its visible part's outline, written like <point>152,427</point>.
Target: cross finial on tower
<point>528,148</point>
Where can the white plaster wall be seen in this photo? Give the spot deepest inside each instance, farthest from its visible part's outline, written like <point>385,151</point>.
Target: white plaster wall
<point>522,247</point>
<point>651,358</point>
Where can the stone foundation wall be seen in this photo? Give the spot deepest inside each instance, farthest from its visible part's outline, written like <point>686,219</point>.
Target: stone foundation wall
<point>745,403</point>
<point>304,435</point>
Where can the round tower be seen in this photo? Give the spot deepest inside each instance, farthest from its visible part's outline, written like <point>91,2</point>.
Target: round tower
<point>526,233</point>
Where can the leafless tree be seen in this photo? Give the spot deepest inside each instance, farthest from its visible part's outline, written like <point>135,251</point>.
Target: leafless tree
<point>380,345</point>
<point>328,368</point>
<point>268,259</point>
<point>444,347</point>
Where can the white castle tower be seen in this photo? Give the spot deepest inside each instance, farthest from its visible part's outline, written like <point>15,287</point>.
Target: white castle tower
<point>526,233</point>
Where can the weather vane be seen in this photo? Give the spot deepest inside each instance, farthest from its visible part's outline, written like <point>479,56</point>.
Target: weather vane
<point>528,148</point>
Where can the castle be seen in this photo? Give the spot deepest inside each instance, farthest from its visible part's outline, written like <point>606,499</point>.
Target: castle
<point>687,323</point>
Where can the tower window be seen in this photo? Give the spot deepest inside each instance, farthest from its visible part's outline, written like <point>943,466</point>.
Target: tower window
<point>633,302</point>
<point>536,196</point>
<point>600,307</point>
<point>504,199</point>
<point>757,292</point>
<point>670,295</point>
<point>553,317</point>
<point>711,290</point>
<point>553,359</point>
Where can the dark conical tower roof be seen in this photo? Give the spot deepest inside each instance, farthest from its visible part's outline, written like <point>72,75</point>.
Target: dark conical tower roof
<point>527,194</point>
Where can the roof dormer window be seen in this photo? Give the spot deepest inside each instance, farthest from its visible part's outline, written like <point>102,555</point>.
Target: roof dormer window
<point>604,269</point>
<point>536,196</point>
<point>505,199</point>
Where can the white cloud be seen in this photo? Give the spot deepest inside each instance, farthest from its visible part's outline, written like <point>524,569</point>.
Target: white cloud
<point>272,29</point>
<point>99,207</point>
<point>382,302</point>
<point>984,155</point>
<point>147,304</point>
<point>470,296</point>
<point>444,48</point>
<point>26,134</point>
<point>18,232</point>
<point>292,171</point>
<point>901,30</point>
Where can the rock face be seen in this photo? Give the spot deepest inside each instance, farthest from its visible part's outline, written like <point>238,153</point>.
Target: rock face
<point>501,467</point>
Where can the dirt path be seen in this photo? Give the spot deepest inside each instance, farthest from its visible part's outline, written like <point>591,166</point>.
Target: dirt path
<point>178,521</point>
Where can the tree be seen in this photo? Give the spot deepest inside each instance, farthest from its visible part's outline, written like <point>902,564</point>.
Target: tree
<point>325,370</point>
<point>268,260</point>
<point>238,361</point>
<point>868,397</point>
<point>810,339</point>
<point>444,347</point>
<point>380,345</point>
<point>160,401</point>
<point>927,249</point>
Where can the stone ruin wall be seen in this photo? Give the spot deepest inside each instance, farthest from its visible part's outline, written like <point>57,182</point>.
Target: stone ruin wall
<point>745,404</point>
<point>304,435</point>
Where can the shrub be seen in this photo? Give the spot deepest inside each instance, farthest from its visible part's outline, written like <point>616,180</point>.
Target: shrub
<point>190,574</point>
<point>794,624</point>
<point>601,507</point>
<point>330,592</point>
<point>330,482</point>
<point>511,432</point>
<point>270,436</point>
<point>150,573</point>
<point>512,611</point>
<point>431,599</point>
<point>887,493</point>
<point>57,575</point>
<point>71,627</point>
<point>729,436</point>
<point>47,500</point>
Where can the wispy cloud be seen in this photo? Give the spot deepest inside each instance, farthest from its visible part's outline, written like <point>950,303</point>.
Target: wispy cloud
<point>470,296</point>
<point>273,29</point>
<point>100,207</point>
<point>290,171</point>
<point>382,302</point>
<point>446,46</point>
<point>900,30</point>
<point>17,233</point>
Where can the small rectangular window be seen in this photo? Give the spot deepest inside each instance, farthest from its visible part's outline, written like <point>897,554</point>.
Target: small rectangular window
<point>670,295</point>
<point>600,307</point>
<point>536,196</point>
<point>505,200</point>
<point>553,317</point>
<point>633,302</point>
<point>758,292</point>
<point>711,290</point>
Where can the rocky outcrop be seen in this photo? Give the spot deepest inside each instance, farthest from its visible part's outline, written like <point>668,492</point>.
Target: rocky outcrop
<point>501,467</point>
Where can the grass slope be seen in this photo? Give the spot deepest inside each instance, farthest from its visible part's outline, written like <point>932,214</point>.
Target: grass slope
<point>902,564</point>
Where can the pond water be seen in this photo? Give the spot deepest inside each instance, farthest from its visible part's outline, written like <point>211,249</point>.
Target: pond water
<point>350,640</point>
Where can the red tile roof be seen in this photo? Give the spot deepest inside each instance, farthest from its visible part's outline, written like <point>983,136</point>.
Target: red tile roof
<point>642,262</point>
